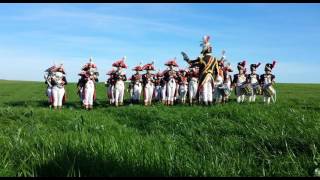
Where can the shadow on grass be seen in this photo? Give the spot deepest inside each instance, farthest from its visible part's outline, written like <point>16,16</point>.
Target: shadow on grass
<point>44,104</point>
<point>39,103</point>
<point>68,104</point>
<point>79,163</point>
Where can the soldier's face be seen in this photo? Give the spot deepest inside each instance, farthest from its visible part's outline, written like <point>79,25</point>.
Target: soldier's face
<point>254,71</point>
<point>268,72</point>
<point>241,71</point>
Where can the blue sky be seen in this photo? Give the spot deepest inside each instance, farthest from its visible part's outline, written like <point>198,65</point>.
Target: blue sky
<point>34,36</point>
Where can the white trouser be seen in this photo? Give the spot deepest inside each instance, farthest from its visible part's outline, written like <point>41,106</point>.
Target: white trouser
<point>136,91</point>
<point>119,91</point>
<point>58,94</point>
<point>183,89</point>
<point>228,84</point>
<point>240,94</point>
<point>163,92</point>
<point>148,92</point>
<point>171,90</point>
<point>88,93</point>
<point>193,87</point>
<point>110,93</point>
<point>158,92</point>
<point>177,95</point>
<point>252,95</point>
<point>81,94</point>
<point>207,91</point>
<point>267,98</point>
<point>49,94</point>
<point>218,92</point>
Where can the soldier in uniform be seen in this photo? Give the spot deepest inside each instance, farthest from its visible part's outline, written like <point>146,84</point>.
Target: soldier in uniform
<point>58,91</point>
<point>193,79</point>
<point>87,84</point>
<point>158,86</point>
<point>135,85</point>
<point>119,78</point>
<point>267,81</point>
<point>48,80</point>
<point>110,83</point>
<point>218,81</point>
<point>171,79</point>
<point>208,69</point>
<point>183,85</point>
<point>239,82</point>
<point>253,79</point>
<point>163,88</point>
<point>148,80</point>
<point>227,81</point>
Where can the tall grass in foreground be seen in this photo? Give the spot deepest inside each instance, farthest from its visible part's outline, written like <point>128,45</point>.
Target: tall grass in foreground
<point>223,140</point>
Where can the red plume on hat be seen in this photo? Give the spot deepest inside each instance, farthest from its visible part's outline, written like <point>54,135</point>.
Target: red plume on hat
<point>257,65</point>
<point>273,63</point>
<point>172,62</point>
<point>148,66</point>
<point>206,39</point>
<point>254,66</point>
<point>120,63</point>
<point>270,66</point>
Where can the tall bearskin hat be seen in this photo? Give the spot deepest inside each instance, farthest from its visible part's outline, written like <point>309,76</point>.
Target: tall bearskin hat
<point>205,44</point>
<point>120,63</point>
<point>241,65</point>
<point>254,66</point>
<point>148,66</point>
<point>172,62</point>
<point>269,66</point>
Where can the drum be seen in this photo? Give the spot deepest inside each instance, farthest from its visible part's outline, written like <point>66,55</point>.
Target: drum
<point>269,91</point>
<point>258,90</point>
<point>226,91</point>
<point>247,89</point>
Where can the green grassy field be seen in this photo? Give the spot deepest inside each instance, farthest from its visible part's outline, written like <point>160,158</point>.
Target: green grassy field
<point>223,140</point>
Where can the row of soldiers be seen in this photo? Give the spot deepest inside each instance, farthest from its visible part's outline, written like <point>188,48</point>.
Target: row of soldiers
<point>174,85</point>
<point>207,80</point>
